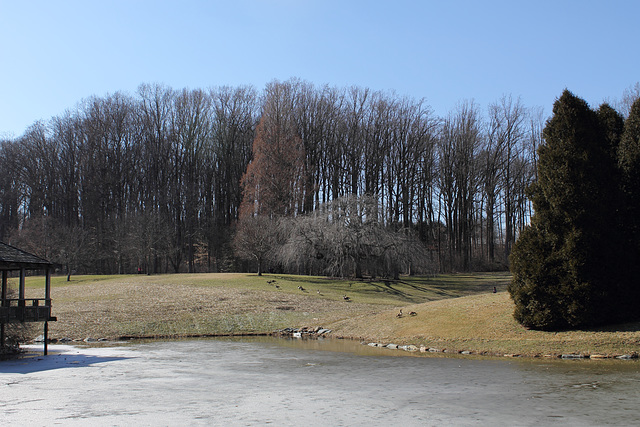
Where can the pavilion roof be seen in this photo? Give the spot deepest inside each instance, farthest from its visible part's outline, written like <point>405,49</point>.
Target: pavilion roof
<point>12,258</point>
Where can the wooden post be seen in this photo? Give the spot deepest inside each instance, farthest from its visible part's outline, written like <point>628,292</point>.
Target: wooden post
<point>22,286</point>
<point>21,301</point>
<point>47,287</point>
<point>46,336</point>
<point>3,298</point>
<point>47,302</point>
<point>4,285</point>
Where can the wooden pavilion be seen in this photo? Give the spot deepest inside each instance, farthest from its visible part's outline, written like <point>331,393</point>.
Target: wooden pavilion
<point>21,309</point>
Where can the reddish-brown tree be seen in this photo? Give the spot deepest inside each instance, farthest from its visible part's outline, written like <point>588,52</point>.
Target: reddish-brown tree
<point>272,184</point>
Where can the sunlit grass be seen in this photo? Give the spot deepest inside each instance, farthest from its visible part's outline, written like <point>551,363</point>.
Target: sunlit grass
<point>484,323</point>
<point>453,311</point>
<point>227,303</point>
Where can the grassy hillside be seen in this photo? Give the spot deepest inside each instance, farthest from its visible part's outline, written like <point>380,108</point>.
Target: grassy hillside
<point>453,312</point>
<point>484,324</point>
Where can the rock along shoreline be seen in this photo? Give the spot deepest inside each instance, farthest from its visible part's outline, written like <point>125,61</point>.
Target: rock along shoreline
<point>315,332</point>
<point>567,356</point>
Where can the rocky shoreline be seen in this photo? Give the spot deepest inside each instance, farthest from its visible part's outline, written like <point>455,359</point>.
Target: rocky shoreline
<point>315,332</point>
<point>304,332</point>
<point>568,356</point>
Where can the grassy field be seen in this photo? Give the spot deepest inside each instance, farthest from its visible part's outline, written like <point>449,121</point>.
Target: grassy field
<point>454,312</point>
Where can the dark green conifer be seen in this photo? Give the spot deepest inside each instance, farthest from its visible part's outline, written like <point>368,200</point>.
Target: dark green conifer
<point>629,160</point>
<point>562,263</point>
<point>612,124</point>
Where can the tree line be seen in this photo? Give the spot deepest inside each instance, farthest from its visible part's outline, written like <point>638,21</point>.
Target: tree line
<point>124,182</point>
<point>158,180</point>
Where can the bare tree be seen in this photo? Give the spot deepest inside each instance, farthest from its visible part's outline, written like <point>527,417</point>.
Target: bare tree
<point>256,239</point>
<point>458,148</point>
<point>192,133</point>
<point>154,116</point>
<point>629,96</point>
<point>510,117</point>
<point>346,237</point>
<point>11,188</point>
<point>71,248</point>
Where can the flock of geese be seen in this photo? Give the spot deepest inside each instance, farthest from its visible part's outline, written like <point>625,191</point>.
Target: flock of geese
<point>344,297</point>
<point>411,313</point>
<point>273,282</point>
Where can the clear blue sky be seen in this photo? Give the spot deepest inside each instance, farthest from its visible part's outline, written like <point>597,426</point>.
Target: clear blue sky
<point>54,53</point>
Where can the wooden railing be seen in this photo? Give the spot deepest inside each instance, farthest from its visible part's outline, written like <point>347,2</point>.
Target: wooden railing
<point>25,310</point>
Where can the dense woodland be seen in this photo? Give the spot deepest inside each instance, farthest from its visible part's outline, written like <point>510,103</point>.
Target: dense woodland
<point>159,180</point>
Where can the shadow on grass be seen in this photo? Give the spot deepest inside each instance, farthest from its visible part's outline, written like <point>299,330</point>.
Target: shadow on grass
<point>409,289</point>
<point>302,279</point>
<point>622,327</point>
<point>417,289</point>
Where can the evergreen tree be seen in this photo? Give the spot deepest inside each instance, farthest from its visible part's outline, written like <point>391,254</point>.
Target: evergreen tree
<point>629,159</point>
<point>612,124</point>
<point>563,262</point>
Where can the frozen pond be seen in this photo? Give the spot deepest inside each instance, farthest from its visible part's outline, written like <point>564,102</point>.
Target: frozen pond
<point>285,382</point>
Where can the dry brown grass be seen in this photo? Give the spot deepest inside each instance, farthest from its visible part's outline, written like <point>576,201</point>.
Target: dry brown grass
<point>186,305</point>
<point>484,324</point>
<point>454,312</point>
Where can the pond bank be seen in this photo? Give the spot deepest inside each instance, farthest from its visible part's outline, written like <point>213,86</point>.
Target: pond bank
<point>570,356</point>
<point>311,333</point>
<point>449,314</point>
